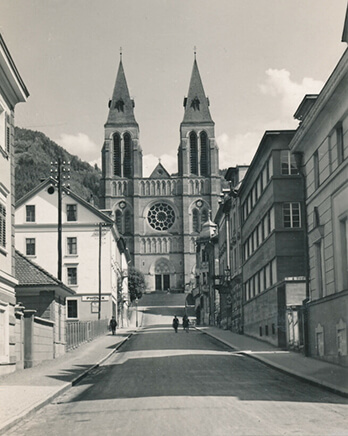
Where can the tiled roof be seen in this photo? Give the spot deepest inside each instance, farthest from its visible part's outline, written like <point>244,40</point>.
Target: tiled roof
<point>29,273</point>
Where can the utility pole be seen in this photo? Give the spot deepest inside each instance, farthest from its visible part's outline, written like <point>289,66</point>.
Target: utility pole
<point>57,169</point>
<point>99,270</point>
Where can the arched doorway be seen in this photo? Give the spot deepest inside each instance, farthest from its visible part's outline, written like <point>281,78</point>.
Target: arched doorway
<point>162,273</point>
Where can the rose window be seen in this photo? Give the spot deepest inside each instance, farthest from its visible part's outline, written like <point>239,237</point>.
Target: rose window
<point>161,216</point>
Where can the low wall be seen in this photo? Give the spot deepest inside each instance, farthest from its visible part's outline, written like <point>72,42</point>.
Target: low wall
<point>327,328</point>
<point>38,339</point>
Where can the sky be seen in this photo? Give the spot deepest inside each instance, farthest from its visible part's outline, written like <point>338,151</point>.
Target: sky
<point>257,60</point>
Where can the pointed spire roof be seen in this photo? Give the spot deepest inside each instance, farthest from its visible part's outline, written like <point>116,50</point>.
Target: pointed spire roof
<point>121,105</point>
<point>196,103</point>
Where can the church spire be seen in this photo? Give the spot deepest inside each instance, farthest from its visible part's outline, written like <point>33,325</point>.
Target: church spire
<point>121,106</point>
<point>196,103</point>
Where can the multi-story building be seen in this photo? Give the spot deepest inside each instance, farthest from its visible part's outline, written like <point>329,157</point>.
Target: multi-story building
<point>271,199</point>
<point>94,260</point>
<point>229,282</point>
<point>12,91</point>
<point>321,148</point>
<point>161,216</point>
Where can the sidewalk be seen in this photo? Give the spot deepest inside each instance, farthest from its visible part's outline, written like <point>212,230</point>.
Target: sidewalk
<point>25,391</point>
<point>330,376</point>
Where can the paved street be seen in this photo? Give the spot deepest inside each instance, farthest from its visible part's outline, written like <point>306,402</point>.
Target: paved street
<point>162,383</point>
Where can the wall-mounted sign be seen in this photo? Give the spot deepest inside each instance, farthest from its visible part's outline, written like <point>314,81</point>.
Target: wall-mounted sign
<point>94,298</point>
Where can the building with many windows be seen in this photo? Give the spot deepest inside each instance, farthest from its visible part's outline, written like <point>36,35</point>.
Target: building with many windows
<point>161,216</point>
<point>321,148</point>
<point>12,91</point>
<point>271,199</point>
<point>94,256</point>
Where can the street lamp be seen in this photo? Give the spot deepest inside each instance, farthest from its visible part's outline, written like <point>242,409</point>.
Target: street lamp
<point>136,312</point>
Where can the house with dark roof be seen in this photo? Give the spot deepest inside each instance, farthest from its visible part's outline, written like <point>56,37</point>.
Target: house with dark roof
<point>94,259</point>
<point>39,290</point>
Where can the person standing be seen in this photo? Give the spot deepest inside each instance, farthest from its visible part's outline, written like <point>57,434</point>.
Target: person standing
<point>175,324</point>
<point>185,323</point>
<point>113,325</point>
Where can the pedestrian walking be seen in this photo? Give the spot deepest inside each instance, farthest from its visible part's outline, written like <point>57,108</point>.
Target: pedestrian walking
<point>185,323</point>
<point>113,325</point>
<point>175,324</point>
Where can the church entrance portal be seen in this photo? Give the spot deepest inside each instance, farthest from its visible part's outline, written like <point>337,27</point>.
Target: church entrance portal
<point>162,282</point>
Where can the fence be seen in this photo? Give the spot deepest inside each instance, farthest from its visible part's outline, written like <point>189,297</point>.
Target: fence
<point>78,332</point>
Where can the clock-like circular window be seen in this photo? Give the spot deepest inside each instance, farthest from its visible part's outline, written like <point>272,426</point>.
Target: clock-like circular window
<point>161,216</point>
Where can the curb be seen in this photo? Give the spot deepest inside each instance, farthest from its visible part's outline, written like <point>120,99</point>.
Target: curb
<point>41,403</point>
<point>307,379</point>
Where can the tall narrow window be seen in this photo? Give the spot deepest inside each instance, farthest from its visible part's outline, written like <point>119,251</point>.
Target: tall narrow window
<point>8,136</point>
<point>291,215</point>
<point>320,268</point>
<point>127,222</point>
<point>193,154</point>
<point>127,160</point>
<point>204,216</point>
<point>195,220</point>
<point>30,247</point>
<point>117,155</point>
<point>30,213</point>
<point>119,221</point>
<point>204,154</point>
<point>2,226</point>
<point>340,148</point>
<point>344,251</point>
<point>71,245</point>
<point>316,169</point>
<point>288,163</point>
<point>72,308</point>
<point>72,275</point>
<point>71,212</point>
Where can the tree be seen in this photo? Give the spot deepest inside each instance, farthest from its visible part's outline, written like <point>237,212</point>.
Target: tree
<point>136,283</point>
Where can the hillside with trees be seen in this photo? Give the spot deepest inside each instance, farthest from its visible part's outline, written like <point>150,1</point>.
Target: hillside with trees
<point>34,153</point>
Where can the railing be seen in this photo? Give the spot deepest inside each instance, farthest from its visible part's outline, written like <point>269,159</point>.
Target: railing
<point>78,332</point>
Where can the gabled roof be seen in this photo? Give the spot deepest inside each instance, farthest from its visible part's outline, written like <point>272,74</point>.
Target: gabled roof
<point>159,172</point>
<point>121,106</point>
<point>28,273</point>
<point>77,198</point>
<point>196,104</point>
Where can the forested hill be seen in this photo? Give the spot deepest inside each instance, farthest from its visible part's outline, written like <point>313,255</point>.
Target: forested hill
<point>34,153</point>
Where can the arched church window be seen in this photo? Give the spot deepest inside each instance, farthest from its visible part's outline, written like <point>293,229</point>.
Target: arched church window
<point>153,188</point>
<point>117,155</point>
<point>147,188</point>
<point>192,191</point>
<point>127,160</point>
<point>193,154</point>
<point>158,186</point>
<point>148,245</point>
<point>119,221</point>
<point>143,246</point>
<point>202,187</point>
<point>142,188</point>
<point>204,154</point>
<point>114,190</point>
<point>125,188</point>
<point>153,245</point>
<point>164,188</point>
<point>197,187</point>
<point>204,216</point>
<point>119,188</point>
<point>195,220</point>
<point>127,222</point>
<point>165,246</point>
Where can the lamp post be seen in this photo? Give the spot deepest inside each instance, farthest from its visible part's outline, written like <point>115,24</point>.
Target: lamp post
<point>136,312</point>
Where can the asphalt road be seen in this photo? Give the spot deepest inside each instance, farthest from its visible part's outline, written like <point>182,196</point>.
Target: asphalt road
<point>162,383</point>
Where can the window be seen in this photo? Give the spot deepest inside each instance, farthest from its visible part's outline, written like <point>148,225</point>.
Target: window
<point>316,169</point>
<point>195,220</point>
<point>7,139</point>
<point>288,163</point>
<point>72,245</point>
<point>320,268</point>
<point>72,275</point>
<point>71,212</point>
<point>344,251</point>
<point>291,215</point>
<point>30,246</point>
<point>72,308</point>
<point>193,154</point>
<point>117,155</point>
<point>204,154</point>
<point>2,226</point>
<point>30,213</point>
<point>340,149</point>
<point>127,160</point>
<point>127,222</point>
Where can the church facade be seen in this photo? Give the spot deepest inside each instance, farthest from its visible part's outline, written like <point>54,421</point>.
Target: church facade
<point>161,216</point>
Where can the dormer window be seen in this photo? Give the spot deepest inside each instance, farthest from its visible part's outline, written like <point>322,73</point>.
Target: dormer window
<point>119,105</point>
<point>195,104</point>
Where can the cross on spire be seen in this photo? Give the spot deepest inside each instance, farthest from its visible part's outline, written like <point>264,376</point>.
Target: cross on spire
<point>120,53</point>
<point>195,51</point>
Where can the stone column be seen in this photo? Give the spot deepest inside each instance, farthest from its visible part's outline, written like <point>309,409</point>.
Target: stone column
<point>28,338</point>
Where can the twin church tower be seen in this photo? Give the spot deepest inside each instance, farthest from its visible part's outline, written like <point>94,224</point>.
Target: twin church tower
<point>161,216</point>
